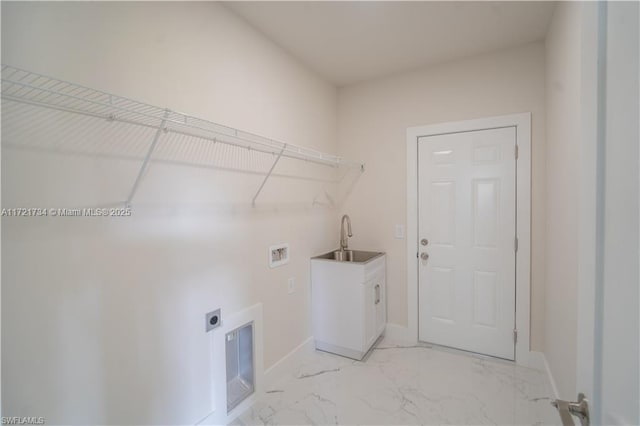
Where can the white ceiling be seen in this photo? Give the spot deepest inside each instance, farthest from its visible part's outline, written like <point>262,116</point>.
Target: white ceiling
<point>351,41</point>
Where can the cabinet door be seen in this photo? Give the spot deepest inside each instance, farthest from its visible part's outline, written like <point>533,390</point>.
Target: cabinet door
<point>380,304</point>
<point>370,326</point>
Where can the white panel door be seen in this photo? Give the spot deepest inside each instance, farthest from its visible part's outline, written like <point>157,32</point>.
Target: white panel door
<point>467,200</point>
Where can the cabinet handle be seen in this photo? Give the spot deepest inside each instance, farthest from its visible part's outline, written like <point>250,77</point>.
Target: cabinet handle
<point>377,287</point>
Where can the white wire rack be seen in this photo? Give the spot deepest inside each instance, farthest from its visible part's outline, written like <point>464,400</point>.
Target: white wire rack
<point>31,88</point>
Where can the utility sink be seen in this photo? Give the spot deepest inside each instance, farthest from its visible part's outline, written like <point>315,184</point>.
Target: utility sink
<point>355,256</point>
<point>348,302</point>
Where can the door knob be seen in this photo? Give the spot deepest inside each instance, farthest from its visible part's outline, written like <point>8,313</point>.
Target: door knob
<point>424,241</point>
<point>580,409</point>
<point>424,256</point>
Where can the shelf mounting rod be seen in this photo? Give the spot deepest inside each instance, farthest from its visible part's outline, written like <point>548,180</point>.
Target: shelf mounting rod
<point>273,166</point>
<point>145,163</point>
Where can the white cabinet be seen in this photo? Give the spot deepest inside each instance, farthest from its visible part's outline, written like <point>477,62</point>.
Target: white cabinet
<point>348,304</point>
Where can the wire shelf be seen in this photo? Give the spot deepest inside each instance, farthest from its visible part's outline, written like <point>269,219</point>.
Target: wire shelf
<point>39,90</point>
<point>36,89</point>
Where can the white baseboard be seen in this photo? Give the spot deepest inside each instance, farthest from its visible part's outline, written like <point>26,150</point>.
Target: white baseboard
<point>398,333</point>
<point>554,388</point>
<point>536,361</point>
<point>286,365</point>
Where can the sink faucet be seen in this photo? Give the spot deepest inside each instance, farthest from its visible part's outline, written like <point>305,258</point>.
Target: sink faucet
<point>344,242</point>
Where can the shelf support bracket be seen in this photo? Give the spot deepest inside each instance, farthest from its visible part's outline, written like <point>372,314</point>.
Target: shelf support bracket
<point>145,163</point>
<point>273,166</point>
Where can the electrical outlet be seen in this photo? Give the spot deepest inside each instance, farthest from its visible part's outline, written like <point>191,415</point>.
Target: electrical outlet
<point>213,319</point>
<point>291,285</point>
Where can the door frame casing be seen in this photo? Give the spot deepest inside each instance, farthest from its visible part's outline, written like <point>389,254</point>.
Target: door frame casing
<point>522,123</point>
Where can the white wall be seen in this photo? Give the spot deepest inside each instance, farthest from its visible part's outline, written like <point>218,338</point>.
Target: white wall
<point>373,118</point>
<point>102,319</point>
<point>563,168</point>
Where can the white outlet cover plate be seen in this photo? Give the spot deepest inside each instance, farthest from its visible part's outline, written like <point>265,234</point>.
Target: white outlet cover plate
<point>279,255</point>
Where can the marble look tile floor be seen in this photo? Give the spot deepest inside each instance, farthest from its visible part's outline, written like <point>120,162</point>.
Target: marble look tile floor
<point>406,385</point>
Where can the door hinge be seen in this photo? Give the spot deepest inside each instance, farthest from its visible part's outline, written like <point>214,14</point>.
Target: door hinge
<point>516,152</point>
<point>515,336</point>
<point>515,244</point>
